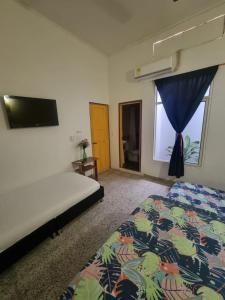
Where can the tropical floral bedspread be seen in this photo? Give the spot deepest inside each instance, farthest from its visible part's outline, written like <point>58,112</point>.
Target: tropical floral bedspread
<point>200,196</point>
<point>166,250</point>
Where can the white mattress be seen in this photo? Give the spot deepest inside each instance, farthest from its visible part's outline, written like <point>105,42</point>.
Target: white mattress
<point>25,209</point>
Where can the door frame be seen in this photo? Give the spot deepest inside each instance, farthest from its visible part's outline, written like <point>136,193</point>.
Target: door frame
<point>120,104</point>
<point>107,106</point>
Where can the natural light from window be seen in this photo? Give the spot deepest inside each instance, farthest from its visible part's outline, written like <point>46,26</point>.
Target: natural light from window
<point>192,134</point>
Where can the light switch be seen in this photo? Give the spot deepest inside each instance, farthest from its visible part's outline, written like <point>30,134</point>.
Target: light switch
<point>72,138</point>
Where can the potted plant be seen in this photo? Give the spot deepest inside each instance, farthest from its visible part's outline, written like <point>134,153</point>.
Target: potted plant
<point>191,150</point>
<point>84,144</point>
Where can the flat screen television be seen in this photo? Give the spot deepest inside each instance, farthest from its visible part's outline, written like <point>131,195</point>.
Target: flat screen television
<point>30,112</point>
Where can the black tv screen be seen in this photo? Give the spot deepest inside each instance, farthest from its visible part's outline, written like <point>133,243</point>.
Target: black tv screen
<point>30,112</point>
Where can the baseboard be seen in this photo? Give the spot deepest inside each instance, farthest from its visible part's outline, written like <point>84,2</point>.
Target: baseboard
<point>128,171</point>
<point>160,180</point>
<point>164,181</point>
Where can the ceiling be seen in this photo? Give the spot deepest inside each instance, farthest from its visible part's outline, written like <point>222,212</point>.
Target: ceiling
<point>110,25</point>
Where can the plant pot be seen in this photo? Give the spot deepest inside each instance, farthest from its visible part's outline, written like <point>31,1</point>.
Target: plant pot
<point>84,156</point>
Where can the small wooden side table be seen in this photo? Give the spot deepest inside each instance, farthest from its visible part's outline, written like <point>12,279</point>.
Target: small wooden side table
<point>81,166</point>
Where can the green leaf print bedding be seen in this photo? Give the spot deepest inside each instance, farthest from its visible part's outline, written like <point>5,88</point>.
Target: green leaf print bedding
<point>166,250</point>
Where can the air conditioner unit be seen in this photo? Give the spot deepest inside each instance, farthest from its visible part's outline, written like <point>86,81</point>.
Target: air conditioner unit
<point>155,69</point>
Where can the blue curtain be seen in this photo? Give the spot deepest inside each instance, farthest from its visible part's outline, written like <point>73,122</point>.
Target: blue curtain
<point>181,96</point>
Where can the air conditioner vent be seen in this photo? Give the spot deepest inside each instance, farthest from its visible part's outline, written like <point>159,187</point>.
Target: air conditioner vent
<point>161,67</point>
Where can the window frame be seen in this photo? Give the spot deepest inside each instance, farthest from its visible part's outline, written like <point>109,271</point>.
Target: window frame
<point>207,100</point>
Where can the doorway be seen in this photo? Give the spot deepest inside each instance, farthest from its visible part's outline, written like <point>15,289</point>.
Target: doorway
<point>99,119</point>
<point>130,135</point>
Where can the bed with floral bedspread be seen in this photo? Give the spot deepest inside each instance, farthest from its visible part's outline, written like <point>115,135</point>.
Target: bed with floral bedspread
<point>166,250</point>
<point>200,196</point>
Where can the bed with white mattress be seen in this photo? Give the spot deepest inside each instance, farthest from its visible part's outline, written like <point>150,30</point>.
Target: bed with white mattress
<point>34,211</point>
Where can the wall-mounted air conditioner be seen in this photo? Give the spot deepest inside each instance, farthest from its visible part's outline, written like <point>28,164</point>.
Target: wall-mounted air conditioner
<point>158,68</point>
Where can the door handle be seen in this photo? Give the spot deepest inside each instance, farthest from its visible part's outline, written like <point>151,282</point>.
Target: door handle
<point>94,143</point>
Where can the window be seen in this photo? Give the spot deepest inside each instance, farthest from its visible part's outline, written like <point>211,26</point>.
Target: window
<point>193,133</point>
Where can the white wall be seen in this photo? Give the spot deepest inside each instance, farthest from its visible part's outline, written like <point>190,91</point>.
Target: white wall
<point>40,59</point>
<point>124,88</point>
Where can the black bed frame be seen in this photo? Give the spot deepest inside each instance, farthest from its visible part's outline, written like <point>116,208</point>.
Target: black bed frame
<point>51,228</point>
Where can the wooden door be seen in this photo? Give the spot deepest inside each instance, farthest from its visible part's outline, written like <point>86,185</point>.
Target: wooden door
<point>130,114</point>
<point>99,115</point>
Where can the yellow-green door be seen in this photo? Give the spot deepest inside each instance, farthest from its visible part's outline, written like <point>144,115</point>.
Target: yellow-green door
<point>99,116</point>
